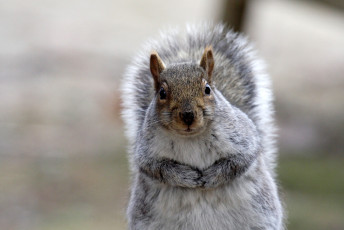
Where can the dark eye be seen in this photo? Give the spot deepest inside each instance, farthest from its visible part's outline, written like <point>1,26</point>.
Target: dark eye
<point>207,89</point>
<point>162,94</point>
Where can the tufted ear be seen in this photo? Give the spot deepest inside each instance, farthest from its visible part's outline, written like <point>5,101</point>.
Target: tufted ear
<point>156,67</point>
<point>207,62</point>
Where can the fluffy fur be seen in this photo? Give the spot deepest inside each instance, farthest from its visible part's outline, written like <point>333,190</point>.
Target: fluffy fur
<point>222,178</point>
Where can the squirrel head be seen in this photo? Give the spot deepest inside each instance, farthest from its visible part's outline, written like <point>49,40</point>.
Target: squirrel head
<point>184,95</point>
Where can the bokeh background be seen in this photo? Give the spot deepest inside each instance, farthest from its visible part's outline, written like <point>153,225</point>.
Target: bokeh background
<point>62,151</point>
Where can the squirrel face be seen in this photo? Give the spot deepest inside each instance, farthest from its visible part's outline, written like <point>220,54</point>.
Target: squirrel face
<point>184,97</point>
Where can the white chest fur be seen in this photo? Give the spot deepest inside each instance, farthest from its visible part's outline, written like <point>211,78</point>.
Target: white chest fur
<point>199,151</point>
<point>204,209</point>
<point>183,208</point>
<point>196,208</point>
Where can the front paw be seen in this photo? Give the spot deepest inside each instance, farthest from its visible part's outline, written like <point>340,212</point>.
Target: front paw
<point>189,176</point>
<point>211,178</point>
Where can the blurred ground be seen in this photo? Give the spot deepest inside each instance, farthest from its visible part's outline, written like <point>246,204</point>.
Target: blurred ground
<point>62,150</point>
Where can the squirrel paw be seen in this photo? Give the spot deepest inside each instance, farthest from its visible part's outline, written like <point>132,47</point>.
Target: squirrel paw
<point>211,178</point>
<point>187,176</point>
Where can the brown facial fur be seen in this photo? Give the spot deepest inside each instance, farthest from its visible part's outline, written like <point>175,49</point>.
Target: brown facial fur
<point>184,85</point>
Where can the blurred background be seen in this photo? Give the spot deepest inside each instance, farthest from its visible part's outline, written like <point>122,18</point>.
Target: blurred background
<point>62,151</point>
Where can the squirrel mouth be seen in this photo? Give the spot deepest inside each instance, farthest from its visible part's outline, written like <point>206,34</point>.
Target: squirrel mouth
<point>189,131</point>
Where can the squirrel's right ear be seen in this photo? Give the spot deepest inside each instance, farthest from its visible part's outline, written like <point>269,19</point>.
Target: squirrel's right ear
<point>207,62</point>
<point>156,67</point>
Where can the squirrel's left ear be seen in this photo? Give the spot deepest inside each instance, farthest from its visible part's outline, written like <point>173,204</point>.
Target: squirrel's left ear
<point>156,67</point>
<point>207,62</point>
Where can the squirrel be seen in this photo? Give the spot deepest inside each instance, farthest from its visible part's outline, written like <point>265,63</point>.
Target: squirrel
<point>198,112</point>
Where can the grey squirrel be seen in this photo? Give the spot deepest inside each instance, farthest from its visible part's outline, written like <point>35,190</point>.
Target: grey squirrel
<point>197,107</point>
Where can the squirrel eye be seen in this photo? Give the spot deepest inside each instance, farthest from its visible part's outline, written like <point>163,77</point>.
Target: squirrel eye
<point>207,89</point>
<point>162,93</point>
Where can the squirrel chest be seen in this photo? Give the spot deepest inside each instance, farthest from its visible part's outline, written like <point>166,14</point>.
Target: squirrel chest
<point>199,152</point>
<point>187,209</point>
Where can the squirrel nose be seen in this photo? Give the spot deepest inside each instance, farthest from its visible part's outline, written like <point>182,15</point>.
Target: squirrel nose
<point>187,117</point>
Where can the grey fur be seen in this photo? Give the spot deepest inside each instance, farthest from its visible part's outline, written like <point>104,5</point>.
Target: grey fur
<point>222,178</point>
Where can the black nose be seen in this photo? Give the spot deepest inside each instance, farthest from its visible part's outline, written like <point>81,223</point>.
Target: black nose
<point>188,117</point>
